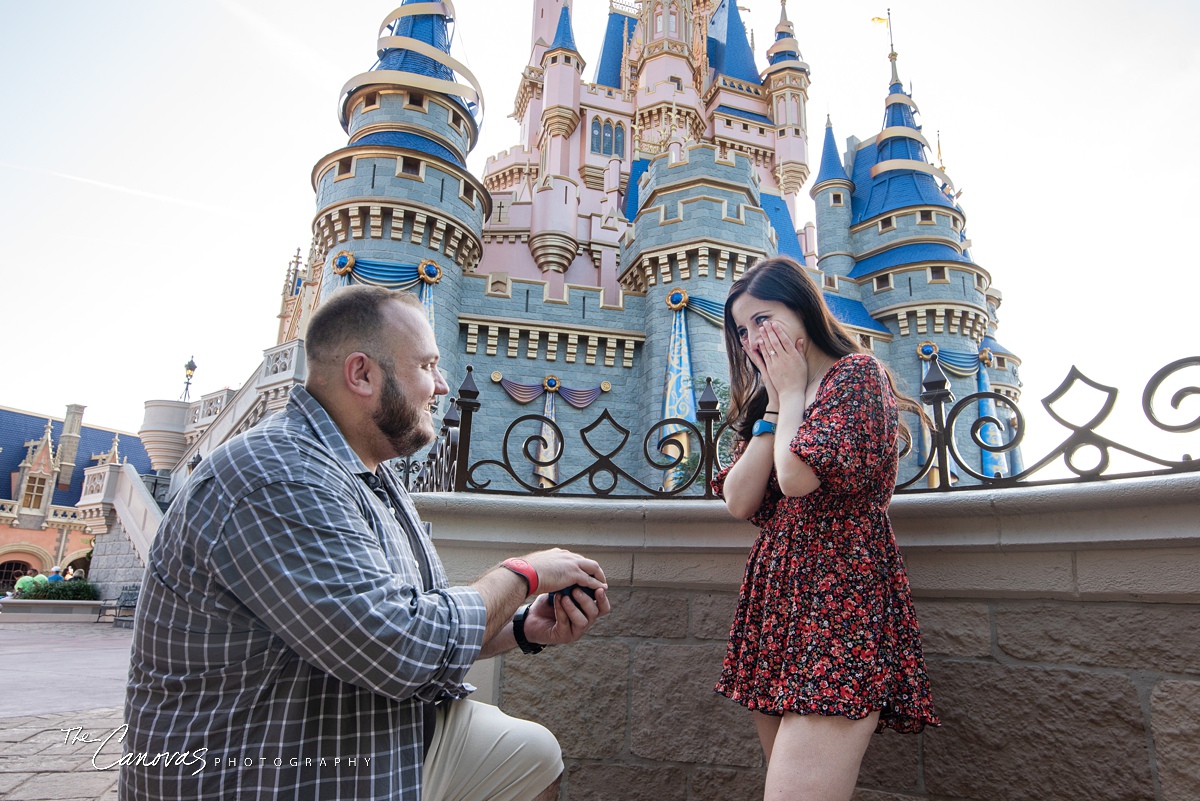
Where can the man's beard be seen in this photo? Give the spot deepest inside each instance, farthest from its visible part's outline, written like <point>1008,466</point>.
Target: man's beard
<point>402,422</point>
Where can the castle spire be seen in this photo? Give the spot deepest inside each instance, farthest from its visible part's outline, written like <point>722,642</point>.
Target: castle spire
<point>831,163</point>
<point>729,51</point>
<point>785,46</point>
<point>564,36</point>
<point>414,53</point>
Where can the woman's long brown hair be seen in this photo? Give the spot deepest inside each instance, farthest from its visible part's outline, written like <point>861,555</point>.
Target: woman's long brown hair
<point>782,280</point>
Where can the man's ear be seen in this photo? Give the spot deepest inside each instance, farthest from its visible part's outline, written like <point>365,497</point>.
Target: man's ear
<point>360,374</point>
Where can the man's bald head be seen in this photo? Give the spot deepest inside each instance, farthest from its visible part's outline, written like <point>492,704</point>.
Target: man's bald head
<point>354,319</point>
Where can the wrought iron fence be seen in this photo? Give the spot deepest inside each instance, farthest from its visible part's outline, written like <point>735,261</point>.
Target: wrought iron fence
<point>448,467</point>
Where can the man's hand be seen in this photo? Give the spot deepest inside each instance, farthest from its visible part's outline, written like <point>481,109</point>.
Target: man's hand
<point>564,620</point>
<point>558,569</point>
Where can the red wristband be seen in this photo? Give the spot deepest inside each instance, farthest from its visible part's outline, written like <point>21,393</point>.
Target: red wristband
<point>524,570</point>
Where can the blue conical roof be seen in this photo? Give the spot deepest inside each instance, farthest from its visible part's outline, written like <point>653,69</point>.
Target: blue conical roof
<point>831,162</point>
<point>564,37</point>
<point>618,34</point>
<point>729,50</point>
<point>894,188</point>
<point>428,28</point>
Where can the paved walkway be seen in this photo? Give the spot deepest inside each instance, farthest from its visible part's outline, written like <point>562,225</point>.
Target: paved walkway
<point>56,677</point>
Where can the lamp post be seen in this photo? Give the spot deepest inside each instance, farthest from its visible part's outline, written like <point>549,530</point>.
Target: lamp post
<point>189,370</point>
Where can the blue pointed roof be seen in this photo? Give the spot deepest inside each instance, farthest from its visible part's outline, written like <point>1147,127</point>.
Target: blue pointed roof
<point>632,199</point>
<point>781,221</point>
<point>853,312</point>
<point>729,50</point>
<point>17,428</point>
<point>428,28</point>
<point>831,163</point>
<point>902,255</point>
<point>618,33</point>
<point>895,188</point>
<point>564,37</point>
<point>989,341</point>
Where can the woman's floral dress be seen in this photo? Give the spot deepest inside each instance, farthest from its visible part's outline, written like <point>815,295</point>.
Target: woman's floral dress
<point>825,621</point>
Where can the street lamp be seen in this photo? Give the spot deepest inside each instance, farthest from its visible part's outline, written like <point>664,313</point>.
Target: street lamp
<point>189,370</point>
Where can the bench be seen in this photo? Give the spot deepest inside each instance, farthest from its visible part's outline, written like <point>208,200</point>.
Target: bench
<point>122,608</point>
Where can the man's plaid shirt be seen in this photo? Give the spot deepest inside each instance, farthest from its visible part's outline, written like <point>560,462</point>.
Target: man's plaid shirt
<point>281,628</point>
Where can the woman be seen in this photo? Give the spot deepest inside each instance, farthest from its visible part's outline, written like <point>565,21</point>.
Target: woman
<point>824,648</point>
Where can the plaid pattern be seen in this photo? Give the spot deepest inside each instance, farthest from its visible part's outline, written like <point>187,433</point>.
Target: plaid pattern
<point>281,631</point>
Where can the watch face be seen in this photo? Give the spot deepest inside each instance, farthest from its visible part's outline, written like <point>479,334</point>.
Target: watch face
<point>762,427</point>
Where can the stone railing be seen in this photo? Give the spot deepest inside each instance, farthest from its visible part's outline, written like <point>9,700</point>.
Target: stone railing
<point>65,517</point>
<point>8,509</point>
<point>115,492</point>
<point>1059,625</point>
<point>265,392</point>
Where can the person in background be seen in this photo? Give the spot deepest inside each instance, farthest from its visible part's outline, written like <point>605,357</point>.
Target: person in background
<point>26,582</point>
<point>78,575</point>
<point>824,647</point>
<point>55,574</point>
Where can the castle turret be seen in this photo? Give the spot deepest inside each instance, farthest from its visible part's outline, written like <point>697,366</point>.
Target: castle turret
<point>786,81</point>
<point>831,192</point>
<point>553,234</point>
<point>397,206</point>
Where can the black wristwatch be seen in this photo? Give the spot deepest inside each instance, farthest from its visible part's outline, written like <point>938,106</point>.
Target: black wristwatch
<point>525,645</point>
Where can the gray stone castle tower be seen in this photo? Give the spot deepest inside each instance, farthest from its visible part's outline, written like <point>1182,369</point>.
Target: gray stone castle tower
<point>588,267</point>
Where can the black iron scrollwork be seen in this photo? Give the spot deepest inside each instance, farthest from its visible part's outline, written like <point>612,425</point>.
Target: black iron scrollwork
<point>448,466</point>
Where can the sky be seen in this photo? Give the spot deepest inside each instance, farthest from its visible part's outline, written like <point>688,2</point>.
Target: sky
<point>155,173</point>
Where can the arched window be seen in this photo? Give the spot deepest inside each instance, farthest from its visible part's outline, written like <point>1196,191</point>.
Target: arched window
<point>619,142</point>
<point>595,136</point>
<point>608,139</point>
<point>10,572</point>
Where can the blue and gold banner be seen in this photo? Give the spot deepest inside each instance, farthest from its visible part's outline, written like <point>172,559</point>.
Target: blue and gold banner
<point>391,275</point>
<point>550,386</point>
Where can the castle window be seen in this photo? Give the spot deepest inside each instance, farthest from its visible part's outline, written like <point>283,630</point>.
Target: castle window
<point>410,166</point>
<point>566,59</point>
<point>371,100</point>
<point>35,492</point>
<point>10,572</point>
<point>416,99</point>
<point>926,216</point>
<point>608,139</point>
<point>745,126</point>
<point>678,83</point>
<point>937,273</point>
<point>619,142</point>
<point>796,132</point>
<point>830,282</point>
<point>883,282</point>
<point>866,342</point>
<point>837,199</point>
<point>783,133</point>
<point>761,131</point>
<point>658,23</point>
<point>671,22</point>
<point>553,59</point>
<point>345,167</point>
<point>1001,363</point>
<point>728,123</point>
<point>955,223</point>
<point>468,193</point>
<point>887,224</point>
<point>456,119</point>
<point>595,136</point>
<point>980,283</point>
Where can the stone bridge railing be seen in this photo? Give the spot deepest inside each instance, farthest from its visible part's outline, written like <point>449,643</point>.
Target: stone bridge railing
<point>1060,627</point>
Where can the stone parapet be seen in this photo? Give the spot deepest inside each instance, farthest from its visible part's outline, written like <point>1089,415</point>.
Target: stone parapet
<point>1058,625</point>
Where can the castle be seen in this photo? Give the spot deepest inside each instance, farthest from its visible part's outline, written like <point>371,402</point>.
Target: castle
<point>590,262</point>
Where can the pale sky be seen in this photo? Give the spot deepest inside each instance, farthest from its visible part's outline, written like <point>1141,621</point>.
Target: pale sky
<point>155,163</point>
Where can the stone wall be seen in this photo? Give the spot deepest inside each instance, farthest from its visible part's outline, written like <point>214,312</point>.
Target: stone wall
<point>115,562</point>
<point>1060,629</point>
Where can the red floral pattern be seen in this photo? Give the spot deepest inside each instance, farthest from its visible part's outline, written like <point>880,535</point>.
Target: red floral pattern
<point>825,621</point>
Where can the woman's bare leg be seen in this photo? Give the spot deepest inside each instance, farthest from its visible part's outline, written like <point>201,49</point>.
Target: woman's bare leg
<point>816,757</point>
<point>767,726</point>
